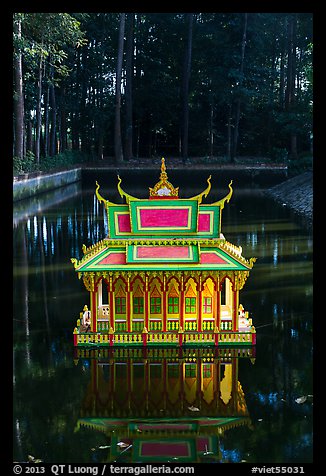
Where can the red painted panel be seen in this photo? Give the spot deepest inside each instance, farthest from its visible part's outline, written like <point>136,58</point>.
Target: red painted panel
<point>167,426</point>
<point>163,252</point>
<point>211,258</point>
<point>203,222</point>
<point>202,443</point>
<point>152,448</point>
<point>124,223</point>
<point>164,217</point>
<point>114,258</point>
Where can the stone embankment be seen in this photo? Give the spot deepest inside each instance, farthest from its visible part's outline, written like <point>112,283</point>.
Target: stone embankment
<point>26,187</point>
<point>297,194</point>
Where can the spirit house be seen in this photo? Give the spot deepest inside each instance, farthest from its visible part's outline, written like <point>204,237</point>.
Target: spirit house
<point>164,275</point>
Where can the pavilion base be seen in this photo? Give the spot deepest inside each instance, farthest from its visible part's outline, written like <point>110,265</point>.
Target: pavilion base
<point>165,339</point>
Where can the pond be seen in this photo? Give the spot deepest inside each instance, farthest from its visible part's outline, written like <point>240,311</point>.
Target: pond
<point>223,405</point>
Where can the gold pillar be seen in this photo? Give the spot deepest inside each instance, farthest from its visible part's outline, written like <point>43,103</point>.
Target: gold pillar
<point>217,306</point>
<point>164,323</point>
<point>128,306</point>
<point>200,304</point>
<point>111,302</point>
<point>182,302</point>
<point>235,304</point>
<point>146,303</point>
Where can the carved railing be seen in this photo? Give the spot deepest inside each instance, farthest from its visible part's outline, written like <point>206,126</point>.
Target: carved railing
<point>179,338</point>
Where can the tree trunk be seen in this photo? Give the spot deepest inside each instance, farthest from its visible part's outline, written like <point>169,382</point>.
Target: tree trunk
<point>290,65</point>
<point>100,144</point>
<point>82,109</point>
<point>282,66</point>
<point>229,126</point>
<point>46,123</point>
<point>53,131</point>
<point>281,90</point>
<point>290,81</point>
<point>63,120</point>
<point>117,126</point>
<point>271,96</point>
<point>238,103</point>
<point>19,97</point>
<point>211,131</point>
<point>75,130</point>
<point>38,114</point>
<point>129,76</point>
<point>189,17</point>
<point>138,140</point>
<point>29,133</point>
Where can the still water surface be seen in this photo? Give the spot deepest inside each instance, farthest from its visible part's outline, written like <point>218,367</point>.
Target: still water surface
<point>213,407</point>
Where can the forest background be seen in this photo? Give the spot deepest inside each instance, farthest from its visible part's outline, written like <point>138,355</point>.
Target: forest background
<point>114,88</point>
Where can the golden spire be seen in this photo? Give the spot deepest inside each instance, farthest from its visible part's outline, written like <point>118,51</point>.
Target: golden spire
<point>163,175</point>
<point>163,187</point>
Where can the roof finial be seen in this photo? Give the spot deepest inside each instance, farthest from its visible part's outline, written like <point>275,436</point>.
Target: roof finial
<point>163,188</point>
<point>163,175</point>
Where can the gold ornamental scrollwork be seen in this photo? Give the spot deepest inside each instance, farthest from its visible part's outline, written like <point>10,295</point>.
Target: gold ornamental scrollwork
<point>252,261</point>
<point>88,279</point>
<point>240,279</point>
<point>74,262</point>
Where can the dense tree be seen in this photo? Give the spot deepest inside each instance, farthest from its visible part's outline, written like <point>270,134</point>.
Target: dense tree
<point>18,90</point>
<point>239,86</point>
<point>42,39</point>
<point>117,122</point>
<point>128,85</point>
<point>189,18</point>
<point>129,82</point>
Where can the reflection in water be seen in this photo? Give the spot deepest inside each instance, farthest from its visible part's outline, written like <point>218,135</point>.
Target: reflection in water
<point>23,209</point>
<point>163,404</point>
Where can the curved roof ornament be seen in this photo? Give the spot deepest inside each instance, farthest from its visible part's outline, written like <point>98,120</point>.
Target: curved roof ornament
<point>164,188</point>
<point>124,194</point>
<point>200,196</point>
<point>227,198</point>
<point>107,203</point>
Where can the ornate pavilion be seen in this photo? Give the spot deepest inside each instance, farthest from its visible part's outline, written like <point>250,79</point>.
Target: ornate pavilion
<point>165,274</point>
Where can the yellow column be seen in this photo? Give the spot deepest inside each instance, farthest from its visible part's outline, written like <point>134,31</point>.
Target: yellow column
<point>146,303</point>
<point>217,304</point>
<point>200,304</point>
<point>164,323</point>
<point>111,302</point>
<point>128,305</point>
<point>182,302</point>
<point>235,304</point>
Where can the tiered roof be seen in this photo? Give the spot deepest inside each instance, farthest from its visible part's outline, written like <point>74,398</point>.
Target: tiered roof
<point>163,230</point>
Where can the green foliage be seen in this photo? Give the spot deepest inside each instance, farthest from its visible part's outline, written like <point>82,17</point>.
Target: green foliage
<point>64,160</point>
<point>303,163</point>
<point>279,154</point>
<point>78,53</point>
<point>25,165</point>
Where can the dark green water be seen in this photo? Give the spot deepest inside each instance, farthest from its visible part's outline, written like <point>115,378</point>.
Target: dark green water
<point>51,385</point>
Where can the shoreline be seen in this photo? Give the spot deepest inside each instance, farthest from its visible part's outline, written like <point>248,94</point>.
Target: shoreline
<point>28,185</point>
<point>296,193</point>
